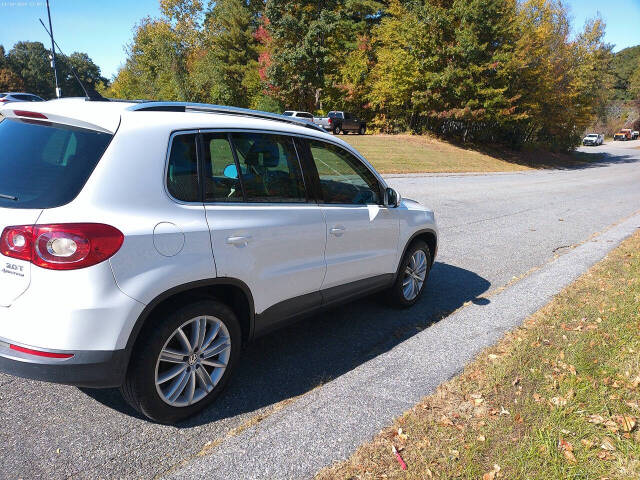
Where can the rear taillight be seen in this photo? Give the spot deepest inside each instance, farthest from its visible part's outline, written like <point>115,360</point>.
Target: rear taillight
<point>330,121</point>
<point>67,246</point>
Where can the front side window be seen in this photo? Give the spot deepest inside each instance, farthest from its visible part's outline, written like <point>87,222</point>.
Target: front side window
<point>343,178</point>
<point>182,175</point>
<point>45,165</point>
<point>269,168</point>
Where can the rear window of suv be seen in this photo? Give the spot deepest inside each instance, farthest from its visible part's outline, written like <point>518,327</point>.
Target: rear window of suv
<point>44,165</point>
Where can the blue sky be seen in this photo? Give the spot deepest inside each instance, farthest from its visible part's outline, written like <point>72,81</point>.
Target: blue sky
<point>103,28</point>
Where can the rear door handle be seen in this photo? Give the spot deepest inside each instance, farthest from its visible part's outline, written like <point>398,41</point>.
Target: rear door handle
<point>338,230</point>
<point>239,241</point>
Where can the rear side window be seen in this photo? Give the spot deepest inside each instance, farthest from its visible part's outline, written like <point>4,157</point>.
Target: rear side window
<point>221,179</point>
<point>182,175</point>
<point>269,168</point>
<point>44,165</point>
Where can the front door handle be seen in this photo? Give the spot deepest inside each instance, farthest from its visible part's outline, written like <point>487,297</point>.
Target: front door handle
<point>338,230</point>
<point>239,241</point>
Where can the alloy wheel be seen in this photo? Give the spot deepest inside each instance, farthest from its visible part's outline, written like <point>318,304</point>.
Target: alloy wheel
<point>414,275</point>
<point>192,361</point>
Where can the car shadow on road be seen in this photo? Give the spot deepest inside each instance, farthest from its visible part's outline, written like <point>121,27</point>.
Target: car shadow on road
<point>296,359</point>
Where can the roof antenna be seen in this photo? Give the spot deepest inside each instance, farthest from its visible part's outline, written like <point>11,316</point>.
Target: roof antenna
<point>53,53</point>
<point>92,94</point>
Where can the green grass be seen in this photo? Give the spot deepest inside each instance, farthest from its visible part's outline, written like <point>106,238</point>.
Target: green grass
<point>422,153</point>
<point>555,399</point>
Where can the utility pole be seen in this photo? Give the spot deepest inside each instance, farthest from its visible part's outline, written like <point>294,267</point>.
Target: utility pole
<point>53,54</point>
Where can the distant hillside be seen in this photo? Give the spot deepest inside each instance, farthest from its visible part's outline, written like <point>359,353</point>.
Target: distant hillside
<point>624,63</point>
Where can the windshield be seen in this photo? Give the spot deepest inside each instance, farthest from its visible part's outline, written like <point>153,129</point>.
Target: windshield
<point>592,135</point>
<point>43,165</point>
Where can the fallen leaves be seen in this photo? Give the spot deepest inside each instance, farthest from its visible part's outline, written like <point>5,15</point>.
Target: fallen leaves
<point>491,474</point>
<point>567,450</point>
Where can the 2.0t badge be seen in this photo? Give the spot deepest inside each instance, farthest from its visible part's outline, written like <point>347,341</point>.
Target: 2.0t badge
<point>13,269</point>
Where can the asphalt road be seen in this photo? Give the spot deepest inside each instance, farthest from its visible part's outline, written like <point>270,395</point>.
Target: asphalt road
<point>494,229</point>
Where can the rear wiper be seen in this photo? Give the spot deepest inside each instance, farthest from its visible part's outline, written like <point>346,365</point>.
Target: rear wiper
<point>8,197</point>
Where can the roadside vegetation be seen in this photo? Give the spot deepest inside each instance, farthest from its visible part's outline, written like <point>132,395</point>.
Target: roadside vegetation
<point>557,398</point>
<point>480,72</point>
<point>425,153</point>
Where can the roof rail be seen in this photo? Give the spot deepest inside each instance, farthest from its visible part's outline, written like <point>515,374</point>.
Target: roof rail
<point>220,109</point>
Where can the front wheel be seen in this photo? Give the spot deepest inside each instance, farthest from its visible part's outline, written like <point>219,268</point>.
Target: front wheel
<point>362,130</point>
<point>412,277</point>
<point>182,361</point>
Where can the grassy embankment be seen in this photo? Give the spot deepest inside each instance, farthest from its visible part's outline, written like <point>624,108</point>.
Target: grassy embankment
<point>421,153</point>
<point>555,399</point>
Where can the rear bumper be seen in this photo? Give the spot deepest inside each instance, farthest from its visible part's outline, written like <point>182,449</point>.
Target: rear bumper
<point>101,369</point>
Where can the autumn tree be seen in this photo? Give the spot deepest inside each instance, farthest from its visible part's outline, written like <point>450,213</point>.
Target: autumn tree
<point>10,81</point>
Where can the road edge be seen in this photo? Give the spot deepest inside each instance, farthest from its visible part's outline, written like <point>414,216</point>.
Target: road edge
<point>329,423</point>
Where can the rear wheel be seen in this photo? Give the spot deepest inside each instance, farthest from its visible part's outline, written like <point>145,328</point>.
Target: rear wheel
<point>412,276</point>
<point>181,364</point>
<point>337,130</point>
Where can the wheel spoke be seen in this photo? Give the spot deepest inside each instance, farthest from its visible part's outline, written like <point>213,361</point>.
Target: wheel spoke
<point>171,373</point>
<point>182,338</point>
<point>205,379</point>
<point>213,333</point>
<point>191,387</point>
<point>214,363</point>
<point>217,348</point>
<point>178,386</point>
<point>172,356</point>
<point>197,333</point>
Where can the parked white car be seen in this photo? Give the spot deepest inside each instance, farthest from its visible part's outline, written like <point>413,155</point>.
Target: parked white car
<point>298,114</point>
<point>8,97</point>
<point>143,244</point>
<point>593,139</point>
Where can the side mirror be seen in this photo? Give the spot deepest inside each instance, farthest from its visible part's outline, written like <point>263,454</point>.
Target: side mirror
<point>393,198</point>
<point>230,171</point>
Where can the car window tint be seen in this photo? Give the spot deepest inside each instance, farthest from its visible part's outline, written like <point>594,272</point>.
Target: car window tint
<point>343,178</point>
<point>222,183</point>
<point>269,167</point>
<point>45,165</point>
<point>182,175</point>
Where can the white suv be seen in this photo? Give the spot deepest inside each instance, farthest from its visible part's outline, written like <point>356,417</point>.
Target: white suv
<point>143,244</point>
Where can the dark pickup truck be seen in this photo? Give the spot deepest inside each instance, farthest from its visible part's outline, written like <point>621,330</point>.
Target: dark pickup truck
<point>341,122</point>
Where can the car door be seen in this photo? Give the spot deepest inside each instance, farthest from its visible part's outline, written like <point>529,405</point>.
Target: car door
<point>265,230</point>
<point>362,234</point>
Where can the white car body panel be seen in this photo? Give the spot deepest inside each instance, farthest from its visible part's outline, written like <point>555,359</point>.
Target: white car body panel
<point>15,275</point>
<point>283,256</point>
<point>290,252</point>
<point>362,242</point>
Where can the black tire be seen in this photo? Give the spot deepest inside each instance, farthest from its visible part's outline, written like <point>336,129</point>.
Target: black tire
<point>337,130</point>
<point>139,387</point>
<point>345,132</point>
<point>362,130</point>
<point>395,295</point>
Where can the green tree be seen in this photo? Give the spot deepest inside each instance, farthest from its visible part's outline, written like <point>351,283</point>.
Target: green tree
<point>88,73</point>
<point>156,65</point>
<point>226,70</point>
<point>634,83</point>
<point>30,61</point>
<point>302,44</point>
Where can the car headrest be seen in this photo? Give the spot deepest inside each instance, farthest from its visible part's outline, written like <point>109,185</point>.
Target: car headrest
<point>264,153</point>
